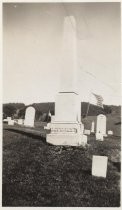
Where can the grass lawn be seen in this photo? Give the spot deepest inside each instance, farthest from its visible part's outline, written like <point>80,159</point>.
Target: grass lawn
<point>38,174</point>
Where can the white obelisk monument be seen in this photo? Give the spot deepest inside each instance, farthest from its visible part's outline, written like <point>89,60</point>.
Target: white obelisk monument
<point>66,127</point>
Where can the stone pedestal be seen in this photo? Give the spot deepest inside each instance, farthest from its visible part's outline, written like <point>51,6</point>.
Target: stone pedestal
<point>66,127</point>
<point>67,107</point>
<point>65,133</point>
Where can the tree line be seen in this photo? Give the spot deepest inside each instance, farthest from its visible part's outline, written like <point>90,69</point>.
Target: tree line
<point>17,110</point>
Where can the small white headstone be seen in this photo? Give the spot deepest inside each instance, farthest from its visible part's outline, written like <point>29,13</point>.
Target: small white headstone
<point>101,124</point>
<point>29,117</point>
<point>87,132</point>
<point>99,166</point>
<point>99,136</point>
<point>16,121</point>
<point>84,139</point>
<point>8,118</point>
<point>92,127</point>
<point>110,132</point>
<point>11,122</point>
<point>20,121</point>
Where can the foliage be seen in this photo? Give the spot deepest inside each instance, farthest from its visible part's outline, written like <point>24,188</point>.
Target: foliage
<point>18,110</point>
<point>10,109</point>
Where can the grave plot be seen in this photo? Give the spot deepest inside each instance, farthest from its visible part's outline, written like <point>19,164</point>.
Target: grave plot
<point>38,174</point>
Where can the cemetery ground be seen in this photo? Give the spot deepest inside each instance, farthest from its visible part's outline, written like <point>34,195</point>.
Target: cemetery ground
<point>38,174</point>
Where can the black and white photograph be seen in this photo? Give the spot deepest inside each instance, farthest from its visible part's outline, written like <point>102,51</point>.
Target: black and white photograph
<point>61,104</point>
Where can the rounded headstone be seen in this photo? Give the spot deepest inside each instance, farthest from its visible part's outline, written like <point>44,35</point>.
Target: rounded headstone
<point>101,124</point>
<point>29,117</point>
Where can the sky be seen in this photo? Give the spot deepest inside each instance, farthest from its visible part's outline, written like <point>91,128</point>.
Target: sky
<point>32,51</point>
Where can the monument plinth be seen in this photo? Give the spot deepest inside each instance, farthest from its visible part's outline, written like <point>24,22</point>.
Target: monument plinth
<point>66,126</point>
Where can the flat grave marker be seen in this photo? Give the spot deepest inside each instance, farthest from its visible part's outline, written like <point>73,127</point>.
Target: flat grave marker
<point>87,132</point>
<point>99,137</point>
<point>110,132</point>
<point>99,166</point>
<point>20,121</point>
<point>11,122</point>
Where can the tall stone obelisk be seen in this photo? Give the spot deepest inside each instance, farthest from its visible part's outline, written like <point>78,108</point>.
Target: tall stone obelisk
<point>66,126</point>
<point>69,56</point>
<point>67,106</point>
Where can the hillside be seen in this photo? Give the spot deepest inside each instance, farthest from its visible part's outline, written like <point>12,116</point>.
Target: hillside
<point>41,108</point>
<point>58,176</point>
<point>36,174</point>
<point>113,113</point>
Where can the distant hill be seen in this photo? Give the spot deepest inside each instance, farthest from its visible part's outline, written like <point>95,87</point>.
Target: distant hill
<point>113,113</point>
<point>13,109</point>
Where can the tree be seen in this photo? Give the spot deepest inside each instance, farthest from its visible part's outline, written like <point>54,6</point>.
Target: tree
<point>9,110</point>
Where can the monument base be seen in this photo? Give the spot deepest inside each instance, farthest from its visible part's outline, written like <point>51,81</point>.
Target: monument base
<point>65,133</point>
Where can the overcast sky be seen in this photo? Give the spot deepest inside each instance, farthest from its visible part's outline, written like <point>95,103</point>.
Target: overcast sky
<point>32,43</point>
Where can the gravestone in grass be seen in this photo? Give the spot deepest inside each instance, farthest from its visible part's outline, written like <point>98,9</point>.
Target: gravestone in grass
<point>101,124</point>
<point>83,141</point>
<point>11,122</point>
<point>92,127</point>
<point>8,119</point>
<point>99,137</point>
<point>29,117</point>
<point>20,121</point>
<point>99,166</point>
<point>87,132</point>
<point>110,132</point>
